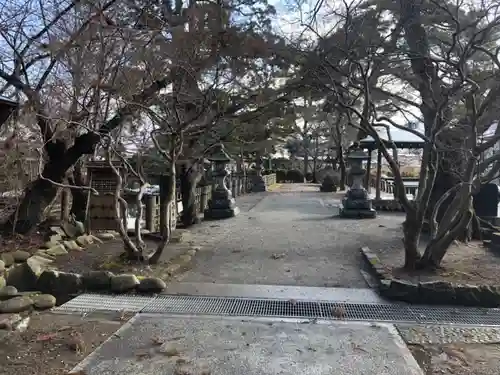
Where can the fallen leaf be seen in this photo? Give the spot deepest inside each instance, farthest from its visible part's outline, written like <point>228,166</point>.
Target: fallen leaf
<point>339,312</point>
<point>358,348</point>
<point>76,343</point>
<point>293,302</point>
<point>157,340</point>
<point>65,328</point>
<point>141,354</point>
<point>278,256</point>
<point>122,316</point>
<point>46,337</point>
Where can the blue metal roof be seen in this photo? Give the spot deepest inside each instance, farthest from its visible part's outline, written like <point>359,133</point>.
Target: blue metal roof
<point>7,100</point>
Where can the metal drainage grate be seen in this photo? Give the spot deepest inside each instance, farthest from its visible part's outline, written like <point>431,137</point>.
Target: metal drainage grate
<point>322,310</point>
<point>89,302</point>
<point>193,305</point>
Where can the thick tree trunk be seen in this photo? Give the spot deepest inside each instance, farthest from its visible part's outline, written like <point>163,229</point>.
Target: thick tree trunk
<point>80,196</point>
<point>446,178</point>
<point>343,169</point>
<point>65,204</point>
<point>437,248</point>
<point>38,195</point>
<point>41,192</point>
<point>411,233</point>
<point>189,177</point>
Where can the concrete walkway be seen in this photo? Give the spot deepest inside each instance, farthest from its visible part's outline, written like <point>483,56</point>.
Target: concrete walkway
<point>158,345</point>
<point>285,244</point>
<point>288,237</point>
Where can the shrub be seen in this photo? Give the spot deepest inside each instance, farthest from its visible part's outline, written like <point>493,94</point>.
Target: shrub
<point>294,175</point>
<point>280,175</point>
<point>309,176</point>
<point>330,183</point>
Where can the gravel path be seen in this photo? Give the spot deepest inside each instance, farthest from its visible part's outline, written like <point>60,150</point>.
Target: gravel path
<point>288,237</point>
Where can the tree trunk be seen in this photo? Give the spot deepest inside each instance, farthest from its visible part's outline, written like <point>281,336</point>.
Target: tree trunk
<point>80,196</point>
<point>343,170</point>
<point>189,177</point>
<point>41,192</point>
<point>65,204</point>
<point>437,248</point>
<point>315,162</point>
<point>37,196</point>
<point>306,165</point>
<point>446,178</point>
<point>411,235</point>
<point>167,197</point>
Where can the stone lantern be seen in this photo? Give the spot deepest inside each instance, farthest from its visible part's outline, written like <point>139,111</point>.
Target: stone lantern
<point>222,204</point>
<point>357,203</point>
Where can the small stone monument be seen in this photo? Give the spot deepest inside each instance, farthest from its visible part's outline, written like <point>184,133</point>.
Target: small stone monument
<point>222,204</point>
<point>357,203</point>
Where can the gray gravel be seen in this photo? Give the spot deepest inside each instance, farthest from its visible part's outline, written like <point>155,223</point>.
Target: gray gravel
<point>437,334</point>
<point>288,238</point>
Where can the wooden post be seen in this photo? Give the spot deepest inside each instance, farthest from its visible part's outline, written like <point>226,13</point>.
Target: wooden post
<point>150,212</point>
<point>379,174</point>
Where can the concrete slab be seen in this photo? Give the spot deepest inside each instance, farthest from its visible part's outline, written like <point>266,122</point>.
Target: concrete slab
<point>304,293</point>
<point>158,345</point>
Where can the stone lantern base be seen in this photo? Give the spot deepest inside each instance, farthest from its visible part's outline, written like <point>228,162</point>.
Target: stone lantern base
<point>357,205</point>
<point>221,206</point>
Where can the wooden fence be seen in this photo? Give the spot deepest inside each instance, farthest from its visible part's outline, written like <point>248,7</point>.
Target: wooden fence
<point>237,184</point>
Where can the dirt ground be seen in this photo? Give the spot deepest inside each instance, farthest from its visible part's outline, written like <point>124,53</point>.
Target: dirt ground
<point>470,263</point>
<point>458,359</point>
<point>27,243</point>
<point>107,256</point>
<point>53,345</point>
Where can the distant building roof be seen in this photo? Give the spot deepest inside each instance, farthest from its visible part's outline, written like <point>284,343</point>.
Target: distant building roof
<point>7,106</point>
<point>401,138</point>
<point>7,101</point>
